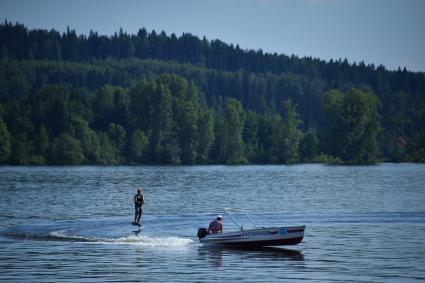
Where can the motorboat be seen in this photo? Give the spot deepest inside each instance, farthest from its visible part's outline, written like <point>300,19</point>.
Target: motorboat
<point>251,238</point>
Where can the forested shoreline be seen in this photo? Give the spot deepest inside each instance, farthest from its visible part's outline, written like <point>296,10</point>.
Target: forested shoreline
<point>157,99</point>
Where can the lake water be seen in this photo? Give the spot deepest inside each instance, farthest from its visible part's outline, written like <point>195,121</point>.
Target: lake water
<point>72,224</point>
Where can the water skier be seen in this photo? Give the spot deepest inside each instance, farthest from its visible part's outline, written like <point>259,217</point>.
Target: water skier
<point>138,202</point>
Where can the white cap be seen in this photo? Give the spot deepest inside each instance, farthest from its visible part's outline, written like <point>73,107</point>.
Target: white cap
<point>219,216</point>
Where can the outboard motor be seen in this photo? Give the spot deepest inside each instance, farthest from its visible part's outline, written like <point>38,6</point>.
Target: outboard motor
<point>202,232</point>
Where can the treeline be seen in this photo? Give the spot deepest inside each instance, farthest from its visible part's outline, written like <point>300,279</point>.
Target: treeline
<point>258,92</point>
<point>17,42</point>
<point>166,121</point>
<point>105,106</point>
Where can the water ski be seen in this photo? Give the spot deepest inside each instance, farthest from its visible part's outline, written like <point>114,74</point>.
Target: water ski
<point>138,225</point>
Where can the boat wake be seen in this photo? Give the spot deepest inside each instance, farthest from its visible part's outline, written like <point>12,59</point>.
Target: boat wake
<point>82,232</point>
<point>156,242</point>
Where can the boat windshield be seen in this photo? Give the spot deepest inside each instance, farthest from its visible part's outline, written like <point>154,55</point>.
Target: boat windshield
<point>240,218</point>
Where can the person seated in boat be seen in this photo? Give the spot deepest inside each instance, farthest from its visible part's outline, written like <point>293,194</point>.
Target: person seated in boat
<point>216,226</point>
<point>138,201</point>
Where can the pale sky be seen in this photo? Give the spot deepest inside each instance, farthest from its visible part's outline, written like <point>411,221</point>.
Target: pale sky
<point>387,32</point>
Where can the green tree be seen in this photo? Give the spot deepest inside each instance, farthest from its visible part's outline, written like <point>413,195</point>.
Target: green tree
<point>90,146</point>
<point>152,111</point>
<point>166,149</point>
<point>118,136</point>
<point>103,107</point>
<point>20,151</point>
<point>275,152</point>
<point>416,148</point>
<point>265,137</point>
<point>42,141</point>
<point>67,150</point>
<point>353,125</point>
<point>206,136</point>
<point>293,134</point>
<point>138,146</point>
<point>332,104</point>
<point>108,153</point>
<point>185,113</point>
<point>309,146</point>
<point>286,136</point>
<point>250,136</point>
<point>232,150</point>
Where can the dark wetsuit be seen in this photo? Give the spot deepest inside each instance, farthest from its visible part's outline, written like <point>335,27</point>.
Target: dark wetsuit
<point>138,201</point>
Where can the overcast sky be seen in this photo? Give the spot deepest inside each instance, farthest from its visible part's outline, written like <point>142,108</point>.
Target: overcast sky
<point>387,32</point>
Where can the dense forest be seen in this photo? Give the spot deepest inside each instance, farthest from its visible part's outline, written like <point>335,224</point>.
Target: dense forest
<point>155,98</point>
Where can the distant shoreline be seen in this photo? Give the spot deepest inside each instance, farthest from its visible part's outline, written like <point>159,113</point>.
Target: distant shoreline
<point>203,165</point>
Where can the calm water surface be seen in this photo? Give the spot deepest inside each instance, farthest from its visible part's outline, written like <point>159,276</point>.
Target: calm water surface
<point>72,224</point>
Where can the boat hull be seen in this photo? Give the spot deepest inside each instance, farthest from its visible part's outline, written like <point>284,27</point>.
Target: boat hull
<point>261,237</point>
